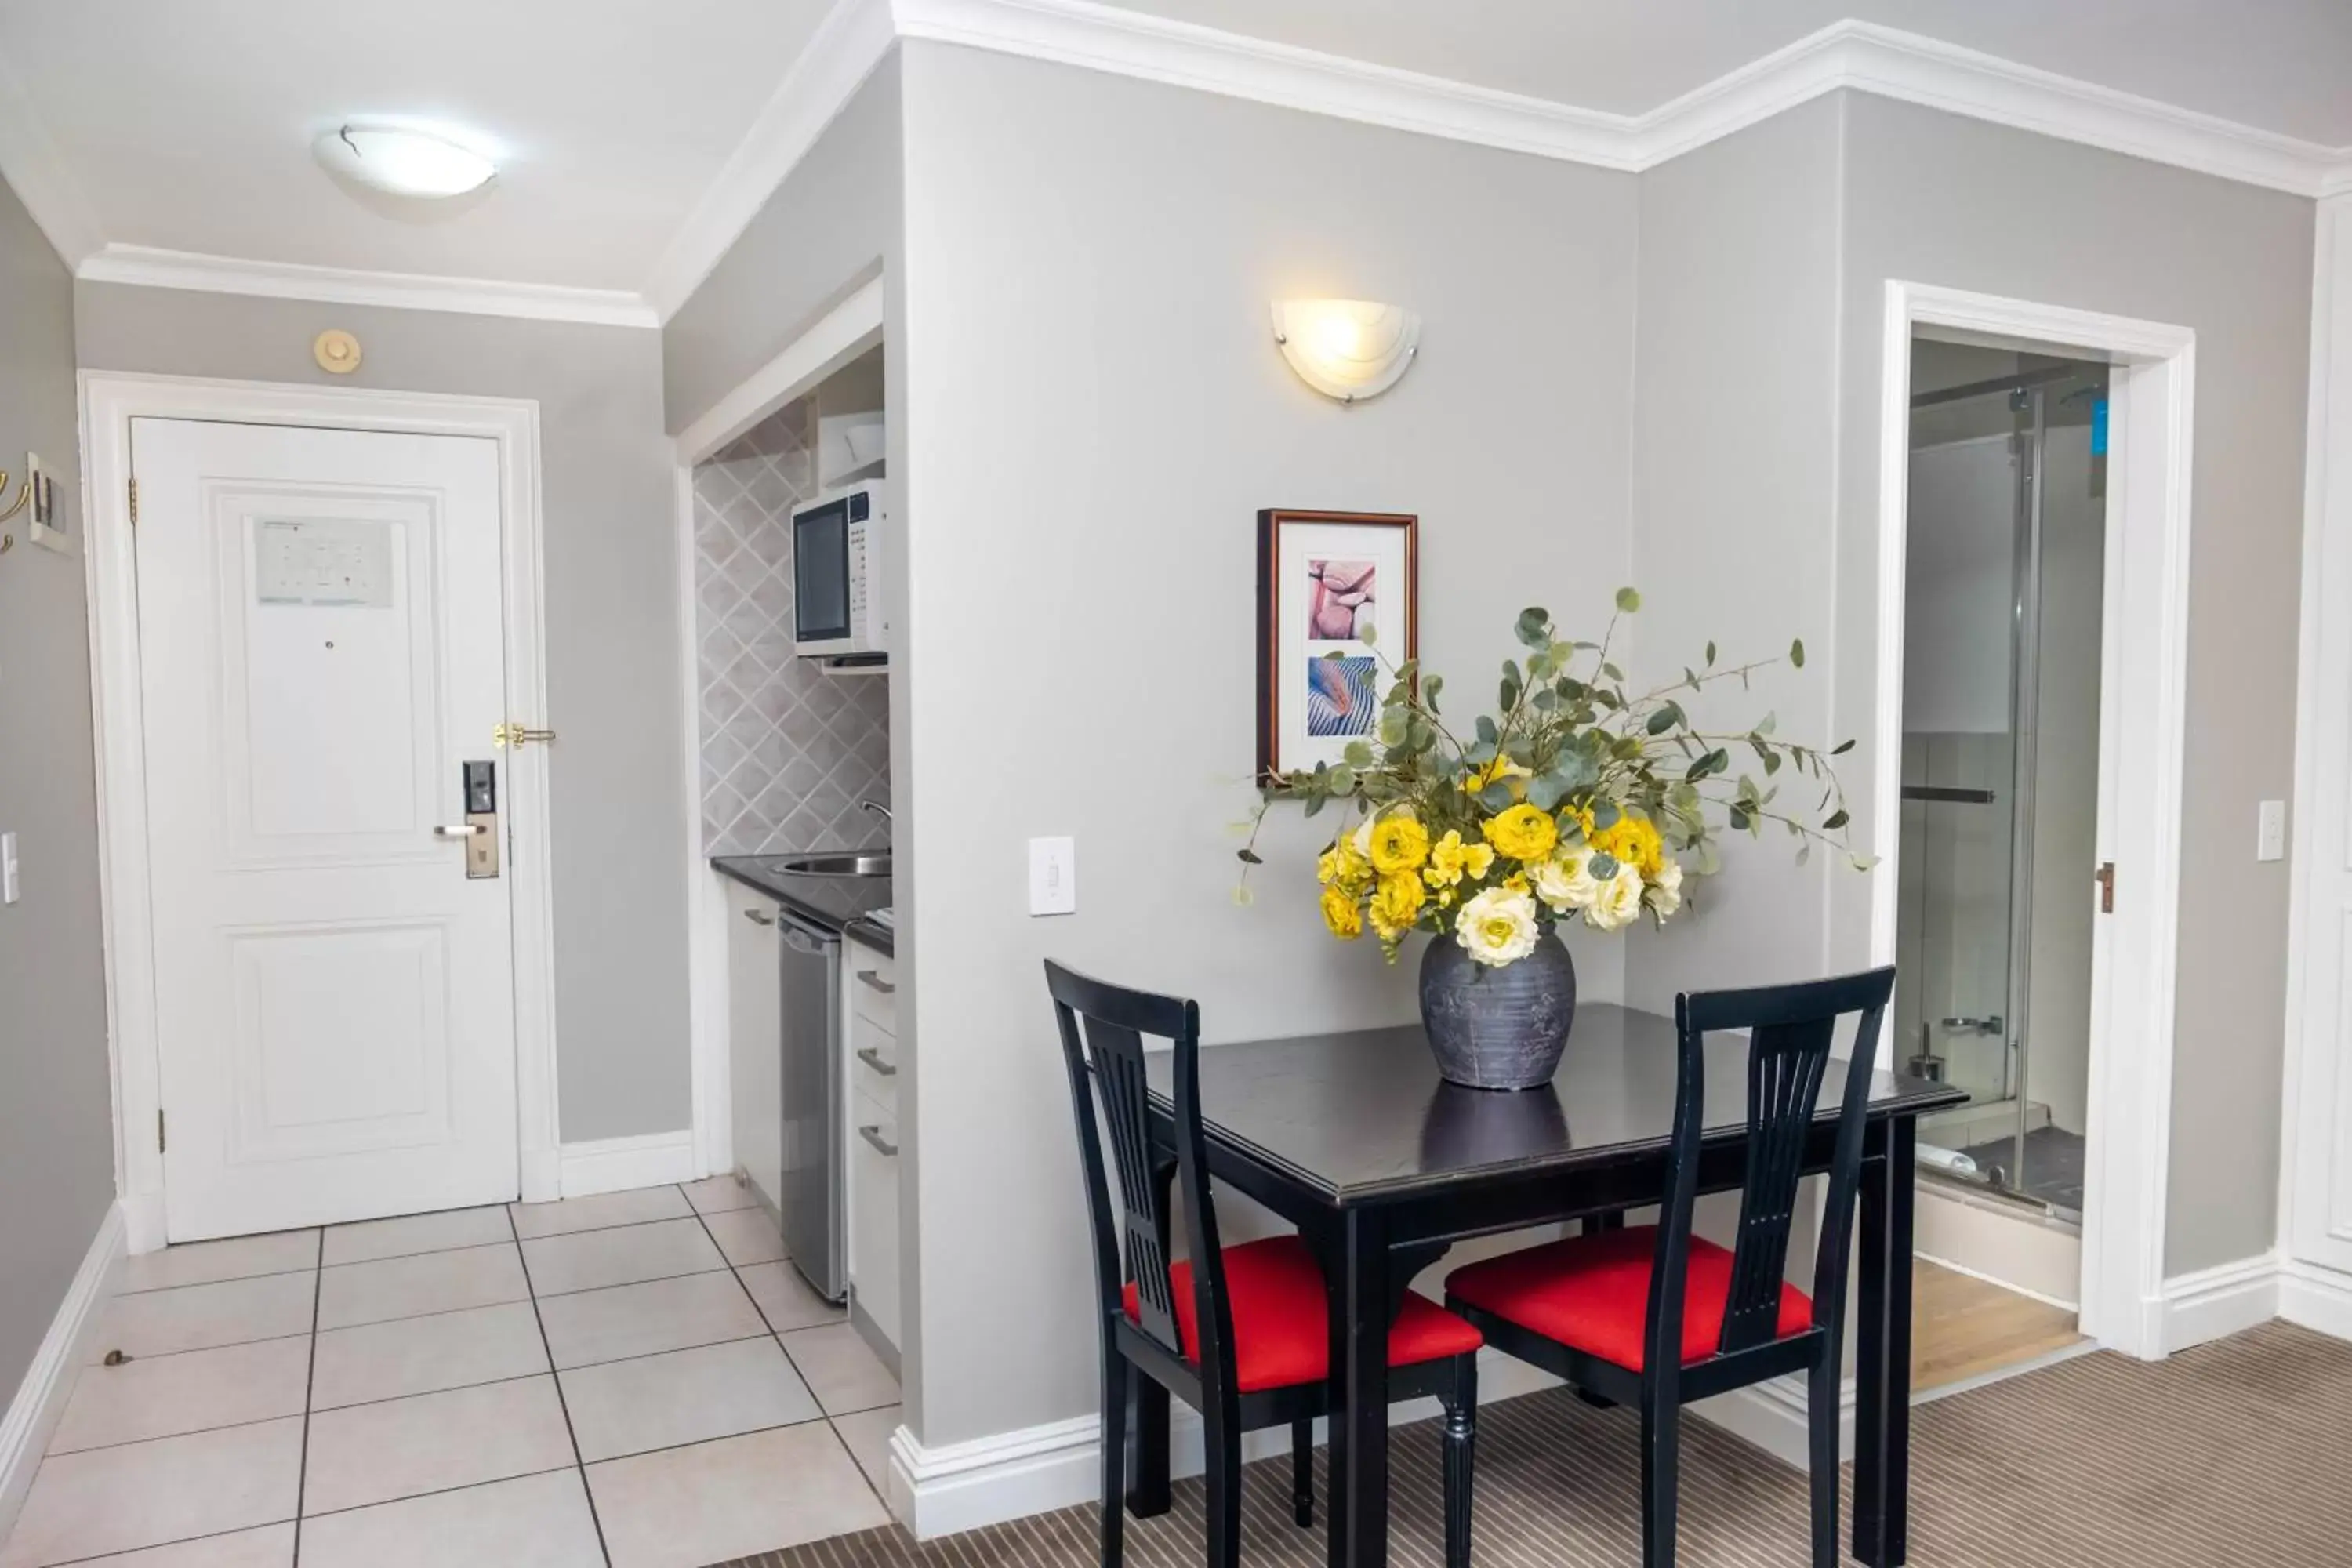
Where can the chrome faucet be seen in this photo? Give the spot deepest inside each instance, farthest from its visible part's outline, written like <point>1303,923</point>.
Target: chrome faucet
<point>878,809</point>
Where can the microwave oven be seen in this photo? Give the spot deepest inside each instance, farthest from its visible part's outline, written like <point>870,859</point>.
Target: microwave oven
<point>837,573</point>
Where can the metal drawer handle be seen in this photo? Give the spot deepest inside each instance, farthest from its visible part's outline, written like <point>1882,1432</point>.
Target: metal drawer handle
<point>874,978</point>
<point>757,919</point>
<point>874,1135</point>
<point>872,1056</point>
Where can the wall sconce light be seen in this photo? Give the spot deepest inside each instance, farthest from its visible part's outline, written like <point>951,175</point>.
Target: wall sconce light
<point>1347,349</point>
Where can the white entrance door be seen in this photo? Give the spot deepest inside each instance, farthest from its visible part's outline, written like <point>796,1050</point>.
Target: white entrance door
<point>320,648</point>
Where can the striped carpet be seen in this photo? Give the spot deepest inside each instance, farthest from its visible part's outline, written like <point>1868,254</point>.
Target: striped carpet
<point>2234,1453</point>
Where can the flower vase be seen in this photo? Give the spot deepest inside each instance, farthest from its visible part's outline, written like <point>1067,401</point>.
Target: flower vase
<point>1497,1028</point>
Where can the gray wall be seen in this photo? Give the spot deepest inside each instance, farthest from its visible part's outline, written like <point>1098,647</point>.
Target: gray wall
<point>1098,412</point>
<point>619,803</point>
<point>1735,398</point>
<point>1936,198</point>
<point>57,1144</point>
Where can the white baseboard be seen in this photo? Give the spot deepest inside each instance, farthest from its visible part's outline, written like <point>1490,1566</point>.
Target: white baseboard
<point>945,1490</point>
<point>2316,1298</point>
<point>1771,1417</point>
<point>143,1223</point>
<point>617,1165</point>
<point>2214,1303</point>
<point>41,1397</point>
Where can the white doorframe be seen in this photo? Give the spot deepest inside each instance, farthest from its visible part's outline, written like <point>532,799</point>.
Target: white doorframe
<point>844,332</point>
<point>2143,700</point>
<point>109,401</point>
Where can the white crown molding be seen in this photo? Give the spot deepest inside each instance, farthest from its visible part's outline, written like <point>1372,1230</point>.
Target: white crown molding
<point>843,52</point>
<point>29,162</point>
<point>150,267</point>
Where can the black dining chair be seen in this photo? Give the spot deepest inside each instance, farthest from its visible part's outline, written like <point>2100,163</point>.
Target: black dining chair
<point>1654,1317</point>
<point>1240,1333</point>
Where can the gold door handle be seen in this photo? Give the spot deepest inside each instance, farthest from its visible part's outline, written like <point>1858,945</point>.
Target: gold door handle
<point>513,734</point>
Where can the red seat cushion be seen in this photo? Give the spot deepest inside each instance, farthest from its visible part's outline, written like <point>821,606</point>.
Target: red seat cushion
<point>1282,1322</point>
<point>1591,1293</point>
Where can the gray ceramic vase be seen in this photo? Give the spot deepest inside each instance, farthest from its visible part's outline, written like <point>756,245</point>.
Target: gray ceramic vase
<point>1497,1028</point>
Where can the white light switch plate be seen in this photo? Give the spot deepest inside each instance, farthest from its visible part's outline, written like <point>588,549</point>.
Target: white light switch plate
<point>1053,877</point>
<point>7,868</point>
<point>2270,832</point>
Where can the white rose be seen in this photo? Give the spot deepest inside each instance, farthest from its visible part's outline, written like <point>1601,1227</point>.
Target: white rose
<point>1565,881</point>
<point>1667,889</point>
<point>1497,927</point>
<point>1617,902</point>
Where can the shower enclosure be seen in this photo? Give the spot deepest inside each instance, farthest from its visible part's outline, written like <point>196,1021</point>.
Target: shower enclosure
<point>2003,593</point>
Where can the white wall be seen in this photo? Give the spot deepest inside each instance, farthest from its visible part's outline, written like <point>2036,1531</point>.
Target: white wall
<point>1098,412</point>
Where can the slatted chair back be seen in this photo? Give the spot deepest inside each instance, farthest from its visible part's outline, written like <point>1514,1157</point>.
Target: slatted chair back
<point>1103,1027</point>
<point>1790,1030</point>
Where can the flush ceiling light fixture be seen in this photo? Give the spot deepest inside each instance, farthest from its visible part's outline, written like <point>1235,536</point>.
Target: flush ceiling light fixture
<point>1347,349</point>
<point>406,160</point>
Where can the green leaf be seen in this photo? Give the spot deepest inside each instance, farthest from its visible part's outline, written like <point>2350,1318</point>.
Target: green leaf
<point>1369,635</point>
<point>1765,728</point>
<point>1602,866</point>
<point>1337,653</point>
<point>1628,601</point>
<point>1711,651</point>
<point>1771,762</point>
<point>1359,754</point>
<point>1430,689</point>
<point>1486,732</point>
<point>1508,694</point>
<point>1841,748</point>
<point>1315,803</point>
<point>1547,791</point>
<point>1797,653</point>
<point>1343,779</point>
<point>1835,820</point>
<point>1249,857</point>
<point>1668,715</point>
<point>1534,629</point>
<point>1612,672</point>
<point>1604,817</point>
<point>1737,817</point>
<point>1497,798</point>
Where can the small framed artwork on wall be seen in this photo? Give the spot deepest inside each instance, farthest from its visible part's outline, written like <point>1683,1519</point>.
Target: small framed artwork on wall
<point>1325,580</point>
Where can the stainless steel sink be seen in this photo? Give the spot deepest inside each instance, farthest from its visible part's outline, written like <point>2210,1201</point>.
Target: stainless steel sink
<point>874,864</point>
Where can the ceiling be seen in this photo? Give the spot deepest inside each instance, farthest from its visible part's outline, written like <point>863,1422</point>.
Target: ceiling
<point>2279,65</point>
<point>187,124</point>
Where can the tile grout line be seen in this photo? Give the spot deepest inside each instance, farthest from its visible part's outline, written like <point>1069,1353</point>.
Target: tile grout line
<point>578,1464</point>
<point>832,1424</point>
<point>310,1385</point>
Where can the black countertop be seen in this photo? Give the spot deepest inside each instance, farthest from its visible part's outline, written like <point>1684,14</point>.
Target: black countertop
<point>840,904</point>
<point>1364,1113</point>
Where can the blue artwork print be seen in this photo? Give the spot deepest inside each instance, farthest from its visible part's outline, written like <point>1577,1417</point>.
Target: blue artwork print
<point>1339,700</point>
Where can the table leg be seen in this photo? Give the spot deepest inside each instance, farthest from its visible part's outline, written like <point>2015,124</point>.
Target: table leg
<point>1882,1436</point>
<point>1359,1424</point>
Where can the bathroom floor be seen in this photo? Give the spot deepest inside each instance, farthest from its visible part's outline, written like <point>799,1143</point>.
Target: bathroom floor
<point>638,1379</point>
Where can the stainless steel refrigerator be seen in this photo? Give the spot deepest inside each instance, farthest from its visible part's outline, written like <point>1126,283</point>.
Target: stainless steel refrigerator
<point>814,1182</point>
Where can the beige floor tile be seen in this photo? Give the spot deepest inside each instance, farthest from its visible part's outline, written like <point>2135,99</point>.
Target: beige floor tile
<point>639,1207</point>
<point>867,1435</point>
<point>412,1234</point>
<point>536,1521</point>
<point>206,1262</point>
<point>788,1300</point>
<point>746,1236</point>
<point>686,1396</point>
<point>411,1287</point>
<point>682,1508</point>
<point>424,1355</point>
<point>624,1320</point>
<point>161,1396</point>
<point>200,1317</point>
<point>717,1195</point>
<point>840,1371</point>
<point>271,1546</point>
<point>145,1494</point>
<point>592,1259</point>
<point>376,1453</point>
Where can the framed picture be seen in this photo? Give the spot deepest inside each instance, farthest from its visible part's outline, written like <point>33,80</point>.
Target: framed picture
<point>1324,579</point>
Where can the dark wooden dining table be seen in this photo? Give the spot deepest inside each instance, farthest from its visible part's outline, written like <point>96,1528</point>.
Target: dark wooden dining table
<point>1382,1164</point>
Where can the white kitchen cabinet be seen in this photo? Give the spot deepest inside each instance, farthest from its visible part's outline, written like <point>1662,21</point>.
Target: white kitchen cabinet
<point>872,1073</point>
<point>754,1035</point>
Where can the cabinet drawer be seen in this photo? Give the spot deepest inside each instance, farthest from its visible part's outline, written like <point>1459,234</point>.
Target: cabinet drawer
<point>874,1213</point>
<point>873,1063</point>
<point>873,985</point>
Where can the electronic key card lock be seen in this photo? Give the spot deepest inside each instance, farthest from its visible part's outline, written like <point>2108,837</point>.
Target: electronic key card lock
<point>479,831</point>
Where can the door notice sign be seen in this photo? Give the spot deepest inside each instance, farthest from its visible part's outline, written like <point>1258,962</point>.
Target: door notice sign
<point>323,561</point>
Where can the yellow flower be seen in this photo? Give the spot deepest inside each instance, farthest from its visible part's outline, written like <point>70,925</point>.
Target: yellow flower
<point>1397,843</point>
<point>1503,770</point>
<point>1341,866</point>
<point>1497,927</point>
<point>1632,840</point>
<point>1581,816</point>
<point>1397,905</point>
<point>1340,914</point>
<point>1524,833</point>
<point>1450,860</point>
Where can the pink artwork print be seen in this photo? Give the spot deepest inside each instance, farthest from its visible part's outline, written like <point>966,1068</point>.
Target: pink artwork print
<point>1340,600</point>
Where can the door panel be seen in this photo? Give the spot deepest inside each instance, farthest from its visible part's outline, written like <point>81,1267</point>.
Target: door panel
<point>321,647</point>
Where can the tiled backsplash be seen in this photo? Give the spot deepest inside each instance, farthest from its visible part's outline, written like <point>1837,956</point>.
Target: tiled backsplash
<point>787,750</point>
